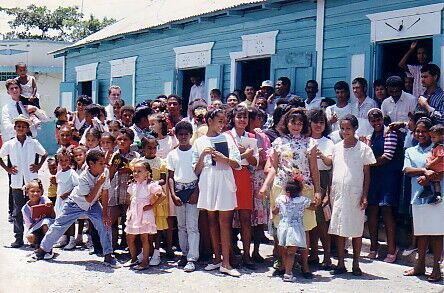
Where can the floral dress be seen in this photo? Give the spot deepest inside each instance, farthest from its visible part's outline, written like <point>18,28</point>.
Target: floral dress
<point>290,231</point>
<point>292,155</point>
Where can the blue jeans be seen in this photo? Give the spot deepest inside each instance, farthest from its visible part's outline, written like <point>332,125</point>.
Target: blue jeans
<point>70,213</point>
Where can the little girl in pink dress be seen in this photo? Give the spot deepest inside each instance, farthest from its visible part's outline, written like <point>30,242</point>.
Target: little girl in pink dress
<point>144,194</point>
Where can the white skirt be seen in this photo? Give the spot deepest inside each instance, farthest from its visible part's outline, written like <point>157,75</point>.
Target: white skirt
<point>217,189</point>
<point>428,219</point>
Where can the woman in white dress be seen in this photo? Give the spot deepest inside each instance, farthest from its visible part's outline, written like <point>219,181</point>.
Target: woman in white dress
<point>349,189</point>
<point>217,188</point>
<point>427,218</point>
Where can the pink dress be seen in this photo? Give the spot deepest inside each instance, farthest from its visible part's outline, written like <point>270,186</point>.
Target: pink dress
<point>139,221</point>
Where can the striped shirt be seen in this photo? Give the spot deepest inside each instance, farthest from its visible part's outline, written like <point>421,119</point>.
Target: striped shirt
<point>390,143</point>
<point>436,101</point>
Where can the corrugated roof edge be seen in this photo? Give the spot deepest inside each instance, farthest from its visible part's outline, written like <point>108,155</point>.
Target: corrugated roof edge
<point>141,30</point>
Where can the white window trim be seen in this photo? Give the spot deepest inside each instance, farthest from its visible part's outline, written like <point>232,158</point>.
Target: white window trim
<point>86,72</point>
<point>320,16</point>
<point>381,16</point>
<point>125,67</point>
<point>245,54</point>
<point>190,52</point>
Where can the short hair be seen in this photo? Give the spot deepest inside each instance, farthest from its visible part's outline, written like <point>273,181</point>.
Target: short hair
<point>111,122</point>
<point>374,113</point>
<point>278,113</point>
<point>296,102</point>
<point>127,108</point>
<point>184,125</point>
<point>108,134</point>
<point>216,91</point>
<point>362,81</point>
<point>378,82</point>
<point>329,101</point>
<point>342,85</point>
<point>128,132</point>
<point>84,99</point>
<point>350,118</point>
<point>234,95</point>
<point>93,109</point>
<point>415,116</point>
<point>79,147</point>
<point>438,129</point>
<point>94,132</point>
<point>145,140</point>
<point>431,68</point>
<point>93,156</point>
<point>163,106</point>
<point>12,81</point>
<point>294,186</point>
<point>313,82</point>
<point>59,111</point>
<point>395,81</point>
<point>254,112</point>
<point>51,160</point>
<point>114,87</point>
<point>317,115</point>
<point>285,80</point>
<point>63,151</point>
<point>239,109</point>
<point>296,114</point>
<point>140,113</point>
<point>20,64</point>
<point>176,97</point>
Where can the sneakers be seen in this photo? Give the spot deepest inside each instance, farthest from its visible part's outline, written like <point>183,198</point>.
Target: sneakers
<point>409,251</point>
<point>155,259</point>
<point>62,242</point>
<point>189,267</point>
<point>71,244</point>
<point>212,267</point>
<point>42,255</point>
<point>111,261</point>
<point>231,272</point>
<point>48,255</point>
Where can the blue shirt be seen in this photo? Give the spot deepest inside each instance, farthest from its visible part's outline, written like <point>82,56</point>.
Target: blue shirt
<point>436,101</point>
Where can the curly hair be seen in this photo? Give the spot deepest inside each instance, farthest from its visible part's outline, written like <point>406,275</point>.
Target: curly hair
<point>296,114</point>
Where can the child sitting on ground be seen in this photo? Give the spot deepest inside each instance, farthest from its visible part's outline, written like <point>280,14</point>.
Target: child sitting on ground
<point>37,227</point>
<point>290,232</point>
<point>435,162</point>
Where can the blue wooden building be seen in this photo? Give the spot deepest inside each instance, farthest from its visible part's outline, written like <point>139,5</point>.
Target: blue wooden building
<point>235,42</point>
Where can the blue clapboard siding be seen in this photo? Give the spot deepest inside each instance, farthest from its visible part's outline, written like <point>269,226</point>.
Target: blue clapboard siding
<point>346,27</point>
<point>297,32</point>
<point>346,31</point>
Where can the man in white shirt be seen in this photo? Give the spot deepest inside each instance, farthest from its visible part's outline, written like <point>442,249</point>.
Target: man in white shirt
<point>399,104</point>
<point>312,101</point>
<point>198,89</point>
<point>114,95</point>
<point>362,105</point>
<point>14,107</point>
<point>342,107</point>
<point>23,152</point>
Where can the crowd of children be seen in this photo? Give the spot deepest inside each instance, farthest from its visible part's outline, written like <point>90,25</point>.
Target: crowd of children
<point>130,178</point>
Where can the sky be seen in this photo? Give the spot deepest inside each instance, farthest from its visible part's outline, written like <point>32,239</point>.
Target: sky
<point>117,9</point>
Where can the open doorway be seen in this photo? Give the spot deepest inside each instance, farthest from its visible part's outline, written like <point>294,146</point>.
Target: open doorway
<point>186,85</point>
<point>254,72</point>
<point>391,53</point>
<point>85,88</point>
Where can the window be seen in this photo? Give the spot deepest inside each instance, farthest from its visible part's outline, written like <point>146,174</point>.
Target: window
<point>4,76</point>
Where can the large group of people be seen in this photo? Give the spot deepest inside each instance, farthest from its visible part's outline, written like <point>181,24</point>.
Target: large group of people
<point>302,168</point>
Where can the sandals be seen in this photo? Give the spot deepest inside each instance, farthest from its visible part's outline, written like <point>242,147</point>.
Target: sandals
<point>434,279</point>
<point>289,278</point>
<point>140,268</point>
<point>391,258</point>
<point>131,263</point>
<point>413,272</point>
<point>373,254</point>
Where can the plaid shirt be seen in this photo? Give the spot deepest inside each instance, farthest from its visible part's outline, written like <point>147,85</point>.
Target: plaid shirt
<point>436,101</point>
<point>119,184</point>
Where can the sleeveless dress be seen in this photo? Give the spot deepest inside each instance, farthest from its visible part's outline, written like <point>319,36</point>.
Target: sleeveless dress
<point>161,211</point>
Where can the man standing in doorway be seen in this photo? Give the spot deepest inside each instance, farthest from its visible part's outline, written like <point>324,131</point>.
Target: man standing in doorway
<point>198,89</point>
<point>433,99</point>
<point>114,95</point>
<point>415,69</point>
<point>281,92</point>
<point>249,93</point>
<point>312,101</point>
